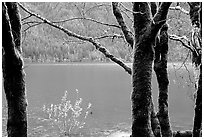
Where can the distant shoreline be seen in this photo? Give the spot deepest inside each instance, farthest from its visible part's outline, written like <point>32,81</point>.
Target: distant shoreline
<point>27,61</point>
<point>176,65</point>
<point>90,63</point>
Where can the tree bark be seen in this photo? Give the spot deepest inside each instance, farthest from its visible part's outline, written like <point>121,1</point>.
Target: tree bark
<point>197,126</point>
<point>126,31</point>
<point>154,119</point>
<point>196,21</point>
<point>160,68</point>
<point>155,123</point>
<point>146,30</point>
<point>15,22</point>
<point>13,75</point>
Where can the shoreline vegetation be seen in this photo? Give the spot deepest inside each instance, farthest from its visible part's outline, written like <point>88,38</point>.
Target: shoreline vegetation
<point>29,61</point>
<point>176,64</point>
<point>102,59</point>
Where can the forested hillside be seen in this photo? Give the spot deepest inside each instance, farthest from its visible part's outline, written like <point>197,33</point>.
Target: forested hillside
<point>43,43</point>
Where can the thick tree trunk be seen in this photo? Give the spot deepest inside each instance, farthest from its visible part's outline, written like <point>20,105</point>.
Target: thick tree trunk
<point>160,68</point>
<point>141,95</point>
<point>15,22</point>
<point>146,30</point>
<point>13,77</point>
<point>141,75</point>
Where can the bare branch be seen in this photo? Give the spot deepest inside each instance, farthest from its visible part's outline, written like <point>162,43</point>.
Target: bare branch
<point>96,6</point>
<point>126,9</point>
<point>30,26</point>
<point>184,41</point>
<point>126,31</point>
<point>179,8</point>
<point>26,17</point>
<point>127,15</point>
<point>184,60</point>
<point>31,22</point>
<point>161,15</point>
<point>110,36</point>
<point>90,19</point>
<point>97,45</point>
<point>189,74</point>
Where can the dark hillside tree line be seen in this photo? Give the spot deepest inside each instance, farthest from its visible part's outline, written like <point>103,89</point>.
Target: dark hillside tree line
<point>149,44</point>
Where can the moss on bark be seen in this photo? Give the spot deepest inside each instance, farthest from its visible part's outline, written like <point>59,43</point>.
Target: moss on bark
<point>13,77</point>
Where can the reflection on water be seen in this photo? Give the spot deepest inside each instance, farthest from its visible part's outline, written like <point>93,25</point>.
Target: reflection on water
<point>107,87</point>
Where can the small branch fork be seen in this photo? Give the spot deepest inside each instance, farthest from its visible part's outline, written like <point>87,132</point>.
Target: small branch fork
<point>97,45</point>
<point>126,9</point>
<point>184,41</point>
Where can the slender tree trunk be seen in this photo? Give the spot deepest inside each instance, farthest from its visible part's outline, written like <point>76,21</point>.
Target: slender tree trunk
<point>196,20</point>
<point>154,119</point>
<point>198,108</point>
<point>13,75</point>
<point>155,123</point>
<point>160,68</point>
<point>146,30</point>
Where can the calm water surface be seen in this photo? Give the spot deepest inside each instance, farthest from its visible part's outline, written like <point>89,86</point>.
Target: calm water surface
<point>108,88</point>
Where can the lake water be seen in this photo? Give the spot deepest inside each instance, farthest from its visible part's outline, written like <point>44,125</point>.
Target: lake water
<point>107,87</point>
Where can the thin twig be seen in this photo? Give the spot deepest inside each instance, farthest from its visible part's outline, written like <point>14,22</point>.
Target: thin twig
<point>31,22</point>
<point>189,75</point>
<point>30,26</point>
<point>110,36</point>
<point>126,9</point>
<point>127,16</point>
<point>181,39</point>
<point>89,19</point>
<point>26,17</point>
<point>96,6</point>
<point>184,60</point>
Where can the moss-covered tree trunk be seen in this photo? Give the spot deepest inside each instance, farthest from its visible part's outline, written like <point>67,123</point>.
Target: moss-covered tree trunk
<point>160,68</point>
<point>130,39</point>
<point>197,126</point>
<point>196,20</point>
<point>155,122</point>
<point>15,21</point>
<point>13,73</point>
<point>146,29</point>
